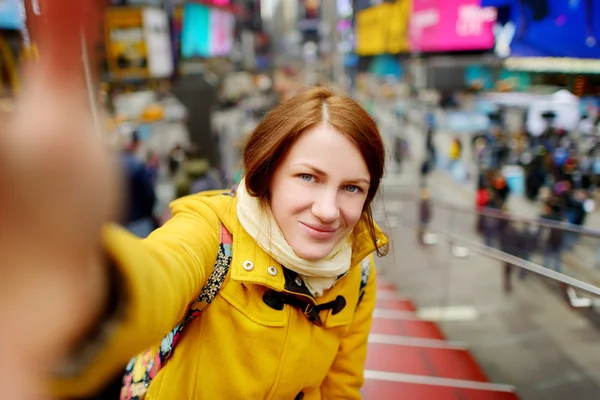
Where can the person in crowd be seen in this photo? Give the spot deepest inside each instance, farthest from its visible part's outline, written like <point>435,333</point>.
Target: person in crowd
<point>425,214</point>
<point>482,200</point>
<point>503,150</point>
<point>400,151</point>
<point>481,151</point>
<point>500,191</point>
<point>572,170</point>
<point>176,158</point>
<point>553,245</point>
<point>153,164</point>
<point>585,128</point>
<point>576,213</point>
<point>139,218</point>
<point>493,138</point>
<point>535,174</point>
<point>273,289</point>
<point>529,235</point>
<point>455,151</point>
<point>490,224</point>
<point>424,170</point>
<point>510,242</point>
<point>195,175</point>
<point>549,137</point>
<point>430,147</point>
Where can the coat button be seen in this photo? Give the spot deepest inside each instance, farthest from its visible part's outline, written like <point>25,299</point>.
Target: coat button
<point>272,270</point>
<point>298,281</point>
<point>248,266</point>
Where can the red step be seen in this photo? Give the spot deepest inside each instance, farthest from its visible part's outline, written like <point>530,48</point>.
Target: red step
<point>427,388</point>
<point>396,304</point>
<point>386,286</point>
<point>426,359</point>
<point>407,327</point>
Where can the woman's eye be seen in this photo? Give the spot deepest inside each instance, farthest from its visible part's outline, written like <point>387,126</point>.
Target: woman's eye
<point>306,177</point>
<point>353,189</point>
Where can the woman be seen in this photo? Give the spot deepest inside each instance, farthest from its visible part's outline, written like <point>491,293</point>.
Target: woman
<point>292,316</point>
<point>289,258</point>
<point>288,320</point>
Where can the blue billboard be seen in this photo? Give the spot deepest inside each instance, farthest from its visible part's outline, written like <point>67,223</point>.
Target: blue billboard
<point>195,34</point>
<point>547,28</point>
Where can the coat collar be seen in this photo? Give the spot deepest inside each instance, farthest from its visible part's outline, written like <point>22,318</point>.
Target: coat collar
<point>251,264</point>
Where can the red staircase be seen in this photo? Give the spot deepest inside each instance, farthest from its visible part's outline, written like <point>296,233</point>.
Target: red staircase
<point>410,358</point>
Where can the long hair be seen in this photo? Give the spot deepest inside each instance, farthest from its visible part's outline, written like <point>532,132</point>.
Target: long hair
<point>280,129</point>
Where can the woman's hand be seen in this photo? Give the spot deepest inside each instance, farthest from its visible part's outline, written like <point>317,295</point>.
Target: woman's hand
<point>57,189</point>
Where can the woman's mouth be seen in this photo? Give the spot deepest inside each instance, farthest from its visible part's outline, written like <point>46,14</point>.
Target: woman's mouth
<point>319,232</point>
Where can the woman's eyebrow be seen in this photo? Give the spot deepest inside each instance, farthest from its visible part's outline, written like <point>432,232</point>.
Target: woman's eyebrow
<point>321,172</point>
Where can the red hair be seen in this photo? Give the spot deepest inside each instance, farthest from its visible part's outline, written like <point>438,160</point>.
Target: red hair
<point>280,129</point>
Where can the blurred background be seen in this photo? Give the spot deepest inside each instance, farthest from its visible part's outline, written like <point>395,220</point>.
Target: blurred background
<point>490,113</point>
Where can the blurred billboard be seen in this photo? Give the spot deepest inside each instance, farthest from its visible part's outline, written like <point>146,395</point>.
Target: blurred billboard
<point>451,25</point>
<point>383,28</point>
<point>206,31</point>
<point>547,28</point>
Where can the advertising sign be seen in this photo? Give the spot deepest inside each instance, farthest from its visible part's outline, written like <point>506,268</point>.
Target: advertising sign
<point>158,43</point>
<point>451,25</point>
<point>383,29</point>
<point>138,43</point>
<point>547,28</point>
<point>222,25</point>
<point>397,25</point>
<point>126,48</point>
<point>11,14</point>
<point>371,32</point>
<point>195,36</point>
<point>206,32</point>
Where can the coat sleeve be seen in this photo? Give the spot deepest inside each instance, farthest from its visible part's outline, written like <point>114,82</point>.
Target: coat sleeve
<point>346,377</point>
<point>159,277</point>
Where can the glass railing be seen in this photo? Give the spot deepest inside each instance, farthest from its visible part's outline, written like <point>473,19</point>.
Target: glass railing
<point>522,293</point>
<point>566,253</point>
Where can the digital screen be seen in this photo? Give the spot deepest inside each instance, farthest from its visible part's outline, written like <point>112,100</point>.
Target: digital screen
<point>206,31</point>
<point>195,33</point>
<point>221,32</point>
<point>547,28</point>
<point>451,25</point>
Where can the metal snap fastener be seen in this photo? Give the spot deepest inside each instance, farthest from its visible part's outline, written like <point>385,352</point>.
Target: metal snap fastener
<point>272,270</point>
<point>248,265</point>
<point>298,281</point>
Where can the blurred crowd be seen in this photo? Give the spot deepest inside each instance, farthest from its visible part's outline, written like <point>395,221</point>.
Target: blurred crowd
<point>186,171</point>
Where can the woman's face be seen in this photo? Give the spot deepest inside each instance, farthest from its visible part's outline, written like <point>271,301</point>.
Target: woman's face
<point>318,191</point>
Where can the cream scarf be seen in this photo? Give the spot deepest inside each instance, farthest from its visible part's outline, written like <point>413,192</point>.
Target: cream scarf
<point>261,225</point>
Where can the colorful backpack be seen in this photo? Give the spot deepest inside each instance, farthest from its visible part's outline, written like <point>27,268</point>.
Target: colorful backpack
<point>143,368</point>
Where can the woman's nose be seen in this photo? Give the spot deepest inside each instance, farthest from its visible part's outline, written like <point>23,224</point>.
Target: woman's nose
<point>325,207</point>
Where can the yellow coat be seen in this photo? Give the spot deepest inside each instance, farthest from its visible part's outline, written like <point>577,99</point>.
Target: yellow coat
<point>239,348</point>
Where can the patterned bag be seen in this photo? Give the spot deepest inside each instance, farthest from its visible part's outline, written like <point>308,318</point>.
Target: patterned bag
<point>143,368</point>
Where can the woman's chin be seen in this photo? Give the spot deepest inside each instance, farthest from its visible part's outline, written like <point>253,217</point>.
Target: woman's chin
<point>314,254</point>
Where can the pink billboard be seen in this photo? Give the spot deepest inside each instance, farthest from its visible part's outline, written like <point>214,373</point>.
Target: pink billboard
<point>451,25</point>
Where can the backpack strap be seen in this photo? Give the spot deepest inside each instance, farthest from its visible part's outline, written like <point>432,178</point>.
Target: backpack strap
<point>153,360</point>
<point>365,274</point>
<point>217,277</point>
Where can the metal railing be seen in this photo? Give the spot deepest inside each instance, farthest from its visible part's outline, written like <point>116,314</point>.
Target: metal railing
<point>565,253</point>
